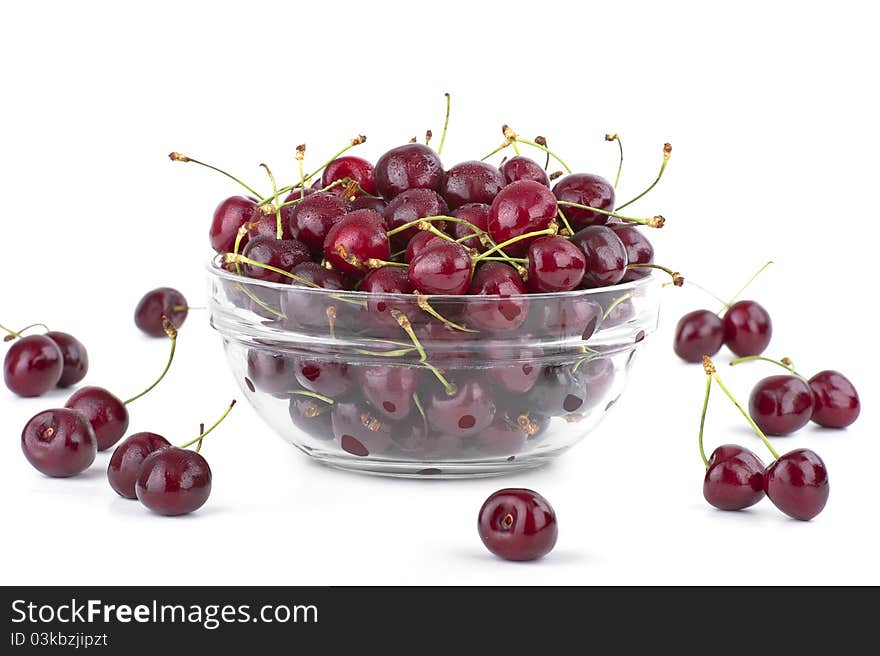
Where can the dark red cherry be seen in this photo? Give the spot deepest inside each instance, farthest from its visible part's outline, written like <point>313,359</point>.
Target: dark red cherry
<point>323,377</point>
<point>229,216</point>
<point>389,389</point>
<point>605,256</point>
<point>478,215</point>
<point>127,459</point>
<point>415,441</point>
<point>158,303</point>
<point>311,416</point>
<point>781,404</point>
<point>520,208</point>
<point>555,265</point>
<point>302,308</point>
<point>76,358</point>
<point>359,170</point>
<point>467,412</point>
<point>264,223</point>
<point>59,442</point>
<point>517,524</point>
<point>105,411</point>
<point>835,400</point>
<point>388,280</point>
<point>471,182</point>
<point>444,268</point>
<point>358,431</point>
<point>519,373</point>
<point>734,479</point>
<point>446,346</point>
<point>374,203</point>
<point>698,333</point>
<point>33,365</point>
<point>311,219</point>
<point>597,375</point>
<point>503,437</point>
<point>357,237</point>
<point>410,206</point>
<point>421,241</point>
<point>174,481</point>
<point>411,166</point>
<point>522,168</point>
<point>564,318</point>
<point>747,328</point>
<point>282,254</point>
<point>500,313</point>
<point>620,313</point>
<point>797,484</point>
<point>558,391</point>
<point>638,249</point>
<point>585,189</point>
<point>271,372</point>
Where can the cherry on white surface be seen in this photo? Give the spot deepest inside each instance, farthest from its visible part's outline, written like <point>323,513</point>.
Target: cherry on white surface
<point>774,157</point>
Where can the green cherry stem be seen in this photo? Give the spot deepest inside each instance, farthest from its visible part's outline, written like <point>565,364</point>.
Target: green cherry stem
<point>314,395</point>
<point>445,124</point>
<point>404,323</point>
<point>514,138</point>
<point>616,137</point>
<point>617,301</point>
<point>12,333</point>
<point>785,363</point>
<point>518,260</point>
<point>703,418</point>
<point>709,368</point>
<point>565,224</point>
<point>335,183</point>
<point>496,151</point>
<point>652,222</point>
<point>201,437</point>
<point>171,331</point>
<point>422,302</point>
<point>677,278</point>
<point>177,157</point>
<point>667,153</point>
<point>213,426</point>
<point>745,286</point>
<point>279,231</point>
<point>552,230</point>
<point>543,141</point>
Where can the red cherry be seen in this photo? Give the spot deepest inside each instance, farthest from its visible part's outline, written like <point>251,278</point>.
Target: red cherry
<point>358,431</point>
<point>264,223</point>
<point>76,358</point>
<point>230,215</point>
<point>59,442</point>
<point>499,313</point>
<point>797,483</point>
<point>157,303</point>
<point>271,372</point>
<point>421,241</point>
<point>174,481</point>
<point>374,203</point>
<point>605,256</point>
<point>555,265</point>
<point>312,218</point>
<point>698,333</point>
<point>412,205</point>
<point>471,182</point>
<point>284,254</point>
<point>835,400</point>
<point>503,437</point>
<point>33,365</point>
<point>517,524</point>
<point>388,280</point>
<point>521,207</point>
<point>747,328</point>
<point>323,377</point>
<point>389,389</point>
<point>105,412</point>
<point>523,168</point>
<point>445,268</point>
<point>411,166</point>
<point>467,412</point>
<point>476,214</point>
<point>127,459</point>
<point>638,249</point>
<point>359,170</point>
<point>357,237</point>
<point>734,478</point>
<point>781,404</point>
<point>585,189</point>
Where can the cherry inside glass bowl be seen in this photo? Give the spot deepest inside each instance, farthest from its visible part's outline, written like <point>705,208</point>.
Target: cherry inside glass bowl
<point>377,383</point>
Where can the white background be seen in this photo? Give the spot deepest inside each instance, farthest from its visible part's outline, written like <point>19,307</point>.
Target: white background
<point>772,112</point>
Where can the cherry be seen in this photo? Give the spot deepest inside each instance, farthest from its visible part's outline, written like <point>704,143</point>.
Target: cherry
<point>781,404</point>
<point>327,378</point>
<point>444,268</point>
<point>558,391</point>
<point>698,333</point>
<point>387,280</point>
<point>271,372</point>
<point>445,344</point>
<point>835,400</point>
<point>411,166</point>
<point>467,412</point>
<point>174,481</point>
<point>389,389</point>
<point>357,237</point>
<point>638,249</point>
<point>311,416</point>
<point>359,432</point>
<point>374,203</point>
<point>605,256</point>
<point>476,214</point>
<point>33,365</point>
<point>125,463</point>
<point>523,168</point>
<point>105,411</point>
<point>264,223</point>
<point>597,374</point>
<point>734,478</point>
<point>471,182</point>
<point>618,313</point>
<point>76,358</point>
<point>747,328</point>
<point>503,437</point>
<point>59,442</point>
<point>414,441</point>
<point>311,219</point>
<point>500,313</point>
<point>555,265</point>
<point>300,308</point>
<point>517,524</point>
<point>421,241</point>
<point>564,318</point>
<point>282,254</point>
<point>585,189</point>
<point>519,209</point>
<point>521,374</point>
<point>797,483</point>
<point>359,170</point>
<point>230,215</point>
<point>158,303</point>
<point>410,206</point>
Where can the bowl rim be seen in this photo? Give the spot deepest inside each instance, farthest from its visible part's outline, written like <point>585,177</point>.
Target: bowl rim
<point>647,280</point>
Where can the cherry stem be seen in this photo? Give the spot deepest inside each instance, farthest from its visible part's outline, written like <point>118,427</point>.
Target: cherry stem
<point>404,323</point>
<point>445,124</point>
<point>565,224</point>
<point>519,139</point>
<point>677,278</point>
<point>213,426</point>
<point>177,157</point>
<point>12,333</point>
<point>422,302</point>
<point>667,152</point>
<point>279,232</point>
<point>201,430</point>
<point>785,363</point>
<point>330,313</point>
<point>704,290</point>
<point>709,368</point>
<point>617,301</point>
<point>543,141</point>
<point>171,331</point>
<point>241,259</point>
<point>745,286</point>
<point>552,230</point>
<point>300,157</point>
<point>497,150</point>
<point>314,395</point>
<point>518,260</point>
<point>376,263</point>
<point>387,354</point>
<point>616,137</point>
<point>335,183</point>
<point>418,403</point>
<point>652,222</point>
<point>703,419</point>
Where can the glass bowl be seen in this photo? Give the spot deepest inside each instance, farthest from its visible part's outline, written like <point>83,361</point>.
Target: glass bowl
<point>440,386</point>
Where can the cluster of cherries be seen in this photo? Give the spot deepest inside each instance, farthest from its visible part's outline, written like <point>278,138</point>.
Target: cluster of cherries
<point>63,442</point>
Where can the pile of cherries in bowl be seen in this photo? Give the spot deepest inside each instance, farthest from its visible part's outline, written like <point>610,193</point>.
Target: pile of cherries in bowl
<point>415,319</point>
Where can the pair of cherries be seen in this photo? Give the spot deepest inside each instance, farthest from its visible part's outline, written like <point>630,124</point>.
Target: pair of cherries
<point>735,478</point>
<point>745,328</point>
<point>35,364</point>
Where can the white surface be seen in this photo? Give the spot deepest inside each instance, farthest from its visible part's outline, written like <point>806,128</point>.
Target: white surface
<point>772,116</point>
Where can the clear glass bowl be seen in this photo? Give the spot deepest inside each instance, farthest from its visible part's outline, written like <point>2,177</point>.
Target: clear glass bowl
<point>337,375</point>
